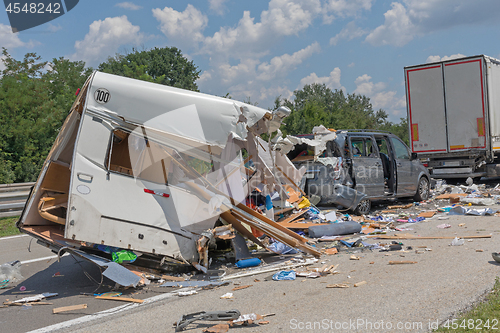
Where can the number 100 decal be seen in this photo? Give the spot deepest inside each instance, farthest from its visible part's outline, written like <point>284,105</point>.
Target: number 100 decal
<point>102,96</point>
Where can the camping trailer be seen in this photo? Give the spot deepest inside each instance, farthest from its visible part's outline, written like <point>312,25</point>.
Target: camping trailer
<point>149,170</point>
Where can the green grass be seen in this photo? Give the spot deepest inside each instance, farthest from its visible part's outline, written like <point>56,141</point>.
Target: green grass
<point>8,226</point>
<point>478,319</point>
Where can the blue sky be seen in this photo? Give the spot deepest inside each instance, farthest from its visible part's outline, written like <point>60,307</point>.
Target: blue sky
<point>264,49</point>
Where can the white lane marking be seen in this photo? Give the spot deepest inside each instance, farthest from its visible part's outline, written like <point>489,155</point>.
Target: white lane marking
<point>41,259</point>
<point>10,237</point>
<point>105,313</point>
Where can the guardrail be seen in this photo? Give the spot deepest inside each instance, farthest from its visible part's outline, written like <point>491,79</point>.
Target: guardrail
<point>13,198</point>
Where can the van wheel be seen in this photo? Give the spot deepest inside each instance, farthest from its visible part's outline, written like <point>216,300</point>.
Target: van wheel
<point>422,190</point>
<point>363,208</point>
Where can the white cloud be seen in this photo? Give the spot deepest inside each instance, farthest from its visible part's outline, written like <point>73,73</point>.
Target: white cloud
<point>128,5</point>
<point>254,38</point>
<point>273,92</point>
<point>351,65</point>
<point>105,37</point>
<point>185,28</point>
<point>379,97</point>
<point>397,30</point>
<point>437,58</point>
<point>218,6</point>
<point>245,70</point>
<point>350,32</point>
<point>345,8</point>
<point>53,28</point>
<point>11,40</point>
<point>282,65</point>
<point>332,81</point>
<point>408,19</point>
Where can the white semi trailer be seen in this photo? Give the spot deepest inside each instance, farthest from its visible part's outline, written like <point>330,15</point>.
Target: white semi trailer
<point>454,116</point>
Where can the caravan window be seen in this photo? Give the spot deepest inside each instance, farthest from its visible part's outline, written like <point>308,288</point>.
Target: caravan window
<point>139,156</point>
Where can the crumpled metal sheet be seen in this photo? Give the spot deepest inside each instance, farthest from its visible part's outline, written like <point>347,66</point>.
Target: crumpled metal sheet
<point>112,270</point>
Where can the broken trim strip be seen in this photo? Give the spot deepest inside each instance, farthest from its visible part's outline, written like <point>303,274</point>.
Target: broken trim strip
<point>161,194</point>
<point>144,225</point>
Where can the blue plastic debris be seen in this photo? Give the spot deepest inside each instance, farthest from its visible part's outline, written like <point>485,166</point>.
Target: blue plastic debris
<point>284,275</point>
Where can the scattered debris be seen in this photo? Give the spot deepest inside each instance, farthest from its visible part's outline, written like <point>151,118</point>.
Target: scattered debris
<point>360,283</point>
<point>187,293</point>
<point>284,275</point>
<point>457,241</point>
<point>227,296</point>
<point>337,285</point>
<point>69,308</point>
<point>219,328</point>
<point>241,287</point>
<point>206,316</point>
<point>402,262</point>
<point>123,299</point>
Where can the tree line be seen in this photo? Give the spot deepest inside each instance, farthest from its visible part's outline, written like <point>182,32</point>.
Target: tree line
<point>36,96</point>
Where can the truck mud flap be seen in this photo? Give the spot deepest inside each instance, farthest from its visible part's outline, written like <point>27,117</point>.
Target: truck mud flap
<point>346,196</point>
<point>109,269</point>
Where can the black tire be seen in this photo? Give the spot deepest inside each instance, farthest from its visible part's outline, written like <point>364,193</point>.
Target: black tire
<point>363,207</point>
<point>422,190</point>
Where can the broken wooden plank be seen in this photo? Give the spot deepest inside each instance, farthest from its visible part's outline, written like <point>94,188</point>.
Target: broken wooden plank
<point>172,278</point>
<point>284,210</point>
<point>400,206</point>
<point>402,262</point>
<point>242,287</point>
<point>123,299</point>
<point>292,217</point>
<point>360,283</point>
<point>299,225</point>
<point>69,308</point>
<point>337,285</point>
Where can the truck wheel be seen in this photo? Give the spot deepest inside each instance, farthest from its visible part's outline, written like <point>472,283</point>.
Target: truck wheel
<point>363,208</point>
<point>422,190</point>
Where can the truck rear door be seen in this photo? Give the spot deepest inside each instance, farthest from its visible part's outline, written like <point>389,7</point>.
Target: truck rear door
<point>447,106</point>
<point>465,104</point>
<point>426,109</point>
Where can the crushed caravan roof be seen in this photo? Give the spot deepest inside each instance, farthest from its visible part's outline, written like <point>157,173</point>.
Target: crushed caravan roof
<point>150,169</point>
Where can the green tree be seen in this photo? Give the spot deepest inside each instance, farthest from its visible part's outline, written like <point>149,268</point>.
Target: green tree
<point>164,65</point>
<point>316,104</point>
<point>35,98</point>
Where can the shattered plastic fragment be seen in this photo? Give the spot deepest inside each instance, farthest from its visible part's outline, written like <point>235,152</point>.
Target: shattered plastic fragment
<point>284,275</point>
<point>457,241</point>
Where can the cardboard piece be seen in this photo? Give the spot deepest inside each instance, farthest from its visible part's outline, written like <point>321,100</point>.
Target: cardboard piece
<point>451,195</point>
<point>427,214</point>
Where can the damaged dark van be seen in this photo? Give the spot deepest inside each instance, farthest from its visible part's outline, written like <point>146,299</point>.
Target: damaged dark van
<point>351,168</point>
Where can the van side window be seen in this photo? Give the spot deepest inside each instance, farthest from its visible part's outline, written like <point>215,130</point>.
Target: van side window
<point>363,147</point>
<point>401,150</point>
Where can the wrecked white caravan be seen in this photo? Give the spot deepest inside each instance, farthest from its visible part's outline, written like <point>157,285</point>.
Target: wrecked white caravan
<point>151,169</point>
